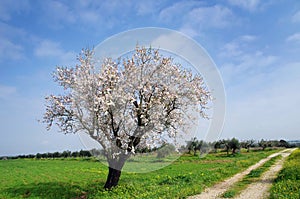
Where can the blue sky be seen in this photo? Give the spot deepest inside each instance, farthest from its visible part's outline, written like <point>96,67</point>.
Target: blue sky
<point>254,43</point>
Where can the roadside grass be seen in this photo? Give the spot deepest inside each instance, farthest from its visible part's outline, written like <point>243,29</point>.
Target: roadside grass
<point>287,183</point>
<point>252,177</point>
<point>82,178</point>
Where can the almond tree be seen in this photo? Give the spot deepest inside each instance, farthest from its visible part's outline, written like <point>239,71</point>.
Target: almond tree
<point>140,101</point>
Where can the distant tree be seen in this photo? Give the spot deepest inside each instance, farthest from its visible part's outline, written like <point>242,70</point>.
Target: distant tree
<point>283,143</point>
<point>31,156</point>
<point>247,144</point>
<point>204,147</point>
<point>263,144</point>
<point>126,104</point>
<point>50,155</point>
<point>199,146</point>
<point>75,154</point>
<point>182,149</point>
<point>56,154</point>
<point>66,154</point>
<point>217,145</point>
<point>190,146</point>
<point>234,144</point>
<point>21,156</point>
<point>250,143</point>
<point>194,145</point>
<point>84,153</point>
<point>96,152</point>
<point>225,144</point>
<point>230,144</point>
<point>44,155</point>
<point>243,144</point>
<point>81,153</point>
<point>273,143</point>
<point>165,150</point>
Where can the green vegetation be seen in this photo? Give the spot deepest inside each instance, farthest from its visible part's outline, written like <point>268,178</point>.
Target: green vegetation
<point>234,145</point>
<point>85,177</point>
<point>252,177</point>
<point>287,184</point>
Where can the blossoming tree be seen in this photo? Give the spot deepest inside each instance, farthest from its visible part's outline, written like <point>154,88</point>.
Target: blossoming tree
<point>124,105</point>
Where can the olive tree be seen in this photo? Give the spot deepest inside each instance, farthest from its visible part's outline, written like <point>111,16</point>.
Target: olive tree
<point>126,103</point>
<point>247,144</point>
<point>234,144</point>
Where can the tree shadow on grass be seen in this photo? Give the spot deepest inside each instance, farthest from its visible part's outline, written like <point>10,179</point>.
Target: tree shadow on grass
<point>52,190</point>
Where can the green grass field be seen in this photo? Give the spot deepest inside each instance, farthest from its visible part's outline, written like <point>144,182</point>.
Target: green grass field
<point>81,178</point>
<point>287,184</point>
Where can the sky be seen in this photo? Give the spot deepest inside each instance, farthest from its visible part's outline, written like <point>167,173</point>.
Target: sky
<point>255,45</point>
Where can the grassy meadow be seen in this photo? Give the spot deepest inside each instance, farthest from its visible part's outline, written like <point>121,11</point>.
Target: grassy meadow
<point>84,178</point>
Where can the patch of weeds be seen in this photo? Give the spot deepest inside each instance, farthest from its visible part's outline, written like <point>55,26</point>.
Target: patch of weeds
<point>229,194</point>
<point>287,184</point>
<point>255,173</point>
<point>176,179</point>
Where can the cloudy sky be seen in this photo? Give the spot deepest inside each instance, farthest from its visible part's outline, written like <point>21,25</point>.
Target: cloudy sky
<point>254,43</point>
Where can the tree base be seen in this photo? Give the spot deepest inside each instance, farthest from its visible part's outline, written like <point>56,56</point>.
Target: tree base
<point>112,178</point>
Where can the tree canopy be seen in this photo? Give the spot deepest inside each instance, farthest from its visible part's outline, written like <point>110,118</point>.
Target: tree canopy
<point>125,104</point>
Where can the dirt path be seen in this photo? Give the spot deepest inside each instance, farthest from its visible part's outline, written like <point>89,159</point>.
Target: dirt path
<point>260,189</point>
<point>218,189</point>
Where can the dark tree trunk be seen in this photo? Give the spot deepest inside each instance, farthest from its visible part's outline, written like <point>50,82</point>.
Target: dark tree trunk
<point>112,178</point>
<point>114,171</point>
<point>233,151</point>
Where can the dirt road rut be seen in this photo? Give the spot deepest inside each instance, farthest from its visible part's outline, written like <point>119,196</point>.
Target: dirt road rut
<point>258,190</point>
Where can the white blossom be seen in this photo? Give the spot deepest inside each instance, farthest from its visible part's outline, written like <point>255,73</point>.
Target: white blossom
<point>126,105</point>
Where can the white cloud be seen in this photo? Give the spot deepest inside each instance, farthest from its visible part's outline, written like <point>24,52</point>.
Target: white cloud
<point>250,5</point>
<point>245,66</point>
<point>248,38</point>
<point>47,48</point>
<point>10,47</point>
<point>56,14</point>
<point>147,7</point>
<point>296,17</point>
<point>10,50</point>
<point>7,30</point>
<point>89,16</point>
<point>231,49</point>
<point>7,91</point>
<point>237,46</point>
<point>177,11</point>
<point>193,18</point>
<point>215,16</point>
<point>95,14</point>
<point>294,38</point>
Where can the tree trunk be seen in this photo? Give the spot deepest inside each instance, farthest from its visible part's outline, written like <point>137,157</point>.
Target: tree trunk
<point>112,178</point>
<point>114,171</point>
